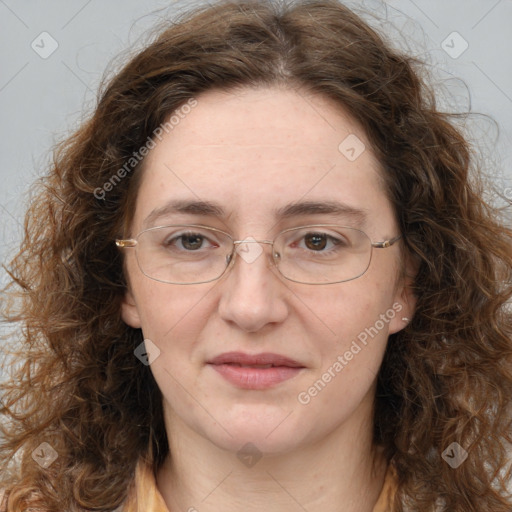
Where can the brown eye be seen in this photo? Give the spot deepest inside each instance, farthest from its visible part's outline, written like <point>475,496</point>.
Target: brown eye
<point>315,241</point>
<point>187,242</point>
<point>191,242</point>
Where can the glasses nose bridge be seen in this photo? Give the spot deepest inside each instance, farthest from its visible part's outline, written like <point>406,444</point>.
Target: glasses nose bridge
<point>247,241</point>
<point>237,243</point>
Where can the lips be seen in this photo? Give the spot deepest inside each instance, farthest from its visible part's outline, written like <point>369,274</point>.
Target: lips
<point>258,360</point>
<point>257,371</point>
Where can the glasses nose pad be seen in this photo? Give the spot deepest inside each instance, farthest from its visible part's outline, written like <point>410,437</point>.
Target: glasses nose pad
<point>276,258</point>
<point>231,257</point>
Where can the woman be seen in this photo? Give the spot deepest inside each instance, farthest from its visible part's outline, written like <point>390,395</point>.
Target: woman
<point>261,275</point>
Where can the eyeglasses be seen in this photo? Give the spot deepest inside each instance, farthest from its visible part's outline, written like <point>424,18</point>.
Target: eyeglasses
<point>194,254</point>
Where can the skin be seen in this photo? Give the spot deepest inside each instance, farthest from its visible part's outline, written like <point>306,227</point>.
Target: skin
<point>252,151</point>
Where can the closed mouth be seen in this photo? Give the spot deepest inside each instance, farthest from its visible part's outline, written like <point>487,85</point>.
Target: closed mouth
<point>259,361</point>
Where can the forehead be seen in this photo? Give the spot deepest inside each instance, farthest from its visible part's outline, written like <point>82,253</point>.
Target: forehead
<point>255,150</point>
<point>247,120</point>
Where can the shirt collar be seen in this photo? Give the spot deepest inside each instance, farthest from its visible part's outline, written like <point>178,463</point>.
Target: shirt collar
<point>145,496</point>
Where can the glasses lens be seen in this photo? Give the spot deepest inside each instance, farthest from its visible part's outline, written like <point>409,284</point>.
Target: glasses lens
<point>322,254</point>
<point>183,254</point>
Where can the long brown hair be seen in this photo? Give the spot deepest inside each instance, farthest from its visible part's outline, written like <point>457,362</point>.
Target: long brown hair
<point>446,378</point>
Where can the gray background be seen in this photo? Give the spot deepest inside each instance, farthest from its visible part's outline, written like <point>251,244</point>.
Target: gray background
<point>44,96</point>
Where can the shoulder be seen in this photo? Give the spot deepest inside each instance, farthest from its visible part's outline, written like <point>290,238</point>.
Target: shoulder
<point>386,500</point>
<point>144,494</point>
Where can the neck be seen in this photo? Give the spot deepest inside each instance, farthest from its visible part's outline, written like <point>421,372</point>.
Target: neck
<point>342,472</point>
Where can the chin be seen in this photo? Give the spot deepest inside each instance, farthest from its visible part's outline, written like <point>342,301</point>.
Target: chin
<point>253,440</point>
<point>270,429</point>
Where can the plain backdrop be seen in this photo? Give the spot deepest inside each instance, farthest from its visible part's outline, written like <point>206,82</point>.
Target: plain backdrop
<point>54,53</point>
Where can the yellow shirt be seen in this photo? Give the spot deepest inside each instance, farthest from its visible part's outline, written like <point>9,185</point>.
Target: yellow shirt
<point>145,496</point>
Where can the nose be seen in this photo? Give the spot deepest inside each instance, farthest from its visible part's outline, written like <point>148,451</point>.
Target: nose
<point>253,296</point>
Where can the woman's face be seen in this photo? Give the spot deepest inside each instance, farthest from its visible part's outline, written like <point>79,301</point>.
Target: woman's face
<point>252,154</point>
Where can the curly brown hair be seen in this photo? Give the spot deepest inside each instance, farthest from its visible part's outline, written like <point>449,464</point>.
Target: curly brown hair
<point>445,378</point>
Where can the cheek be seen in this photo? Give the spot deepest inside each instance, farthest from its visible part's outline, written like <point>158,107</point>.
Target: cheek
<point>350,355</point>
<point>174,321</point>
<point>170,316</point>
<point>356,321</point>
<point>350,307</point>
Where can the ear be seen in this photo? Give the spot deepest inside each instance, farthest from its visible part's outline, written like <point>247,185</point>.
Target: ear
<point>404,303</point>
<point>129,311</point>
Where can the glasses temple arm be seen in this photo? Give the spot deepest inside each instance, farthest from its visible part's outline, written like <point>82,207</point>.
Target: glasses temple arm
<point>130,242</point>
<point>386,243</point>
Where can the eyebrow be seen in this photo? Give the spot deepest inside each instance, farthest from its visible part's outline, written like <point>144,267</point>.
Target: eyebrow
<point>322,207</point>
<point>211,209</point>
<point>206,208</point>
